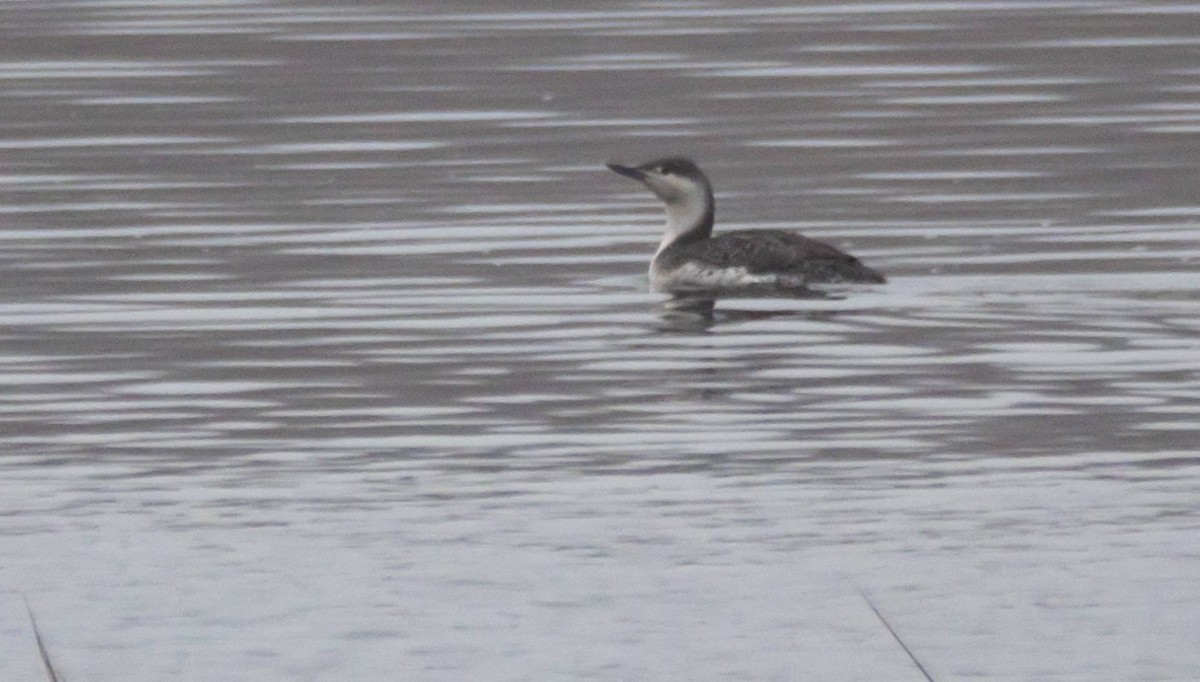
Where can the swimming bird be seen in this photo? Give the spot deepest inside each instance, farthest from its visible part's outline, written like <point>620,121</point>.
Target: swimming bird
<point>691,260</point>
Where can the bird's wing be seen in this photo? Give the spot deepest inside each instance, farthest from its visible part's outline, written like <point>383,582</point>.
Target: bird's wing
<point>763,251</point>
<point>776,252</point>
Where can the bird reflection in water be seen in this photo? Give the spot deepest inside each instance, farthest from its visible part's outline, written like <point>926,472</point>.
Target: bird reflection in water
<point>699,312</point>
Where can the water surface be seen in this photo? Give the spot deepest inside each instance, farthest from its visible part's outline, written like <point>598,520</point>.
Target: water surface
<point>326,348</point>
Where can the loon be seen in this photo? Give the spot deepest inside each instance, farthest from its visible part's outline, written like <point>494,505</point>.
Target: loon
<point>690,259</point>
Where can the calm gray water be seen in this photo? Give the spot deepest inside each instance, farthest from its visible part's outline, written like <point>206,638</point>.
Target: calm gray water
<point>327,354</point>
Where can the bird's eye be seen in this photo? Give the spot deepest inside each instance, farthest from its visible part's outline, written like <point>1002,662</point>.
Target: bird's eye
<point>664,170</point>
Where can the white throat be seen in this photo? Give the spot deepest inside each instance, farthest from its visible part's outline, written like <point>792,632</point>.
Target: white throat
<point>685,213</point>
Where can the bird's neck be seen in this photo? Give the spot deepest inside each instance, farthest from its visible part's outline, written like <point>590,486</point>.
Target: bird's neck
<point>689,219</point>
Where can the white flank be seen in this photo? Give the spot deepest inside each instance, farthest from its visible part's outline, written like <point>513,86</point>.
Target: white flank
<point>697,276</point>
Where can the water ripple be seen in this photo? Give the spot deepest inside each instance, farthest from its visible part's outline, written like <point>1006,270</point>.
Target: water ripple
<point>331,327</point>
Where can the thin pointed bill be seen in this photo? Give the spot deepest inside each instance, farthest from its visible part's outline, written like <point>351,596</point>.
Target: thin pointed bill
<point>627,171</point>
